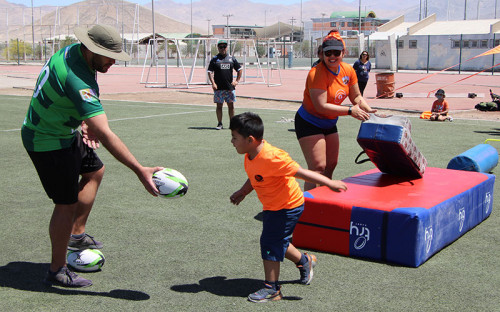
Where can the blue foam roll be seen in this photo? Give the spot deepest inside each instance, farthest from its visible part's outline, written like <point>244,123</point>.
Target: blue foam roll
<point>480,158</point>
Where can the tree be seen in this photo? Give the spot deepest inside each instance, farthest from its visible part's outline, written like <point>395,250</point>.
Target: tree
<point>191,44</point>
<point>238,46</point>
<point>261,50</point>
<point>17,49</point>
<point>66,42</point>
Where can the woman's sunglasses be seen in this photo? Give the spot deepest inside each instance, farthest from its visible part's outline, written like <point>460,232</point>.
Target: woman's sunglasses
<point>332,52</point>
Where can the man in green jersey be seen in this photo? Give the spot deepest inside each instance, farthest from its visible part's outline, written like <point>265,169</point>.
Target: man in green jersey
<point>66,98</point>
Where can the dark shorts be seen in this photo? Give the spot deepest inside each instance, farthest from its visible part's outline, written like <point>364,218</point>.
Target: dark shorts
<point>59,170</point>
<point>277,230</point>
<point>304,128</point>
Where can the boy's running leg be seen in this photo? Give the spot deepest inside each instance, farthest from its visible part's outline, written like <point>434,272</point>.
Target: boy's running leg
<point>272,289</point>
<point>304,262</point>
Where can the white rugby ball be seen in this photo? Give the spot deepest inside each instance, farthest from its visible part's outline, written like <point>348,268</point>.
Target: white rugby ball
<point>171,183</point>
<point>88,260</point>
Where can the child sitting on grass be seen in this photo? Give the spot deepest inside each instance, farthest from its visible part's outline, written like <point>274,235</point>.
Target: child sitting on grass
<point>439,110</point>
<point>271,173</point>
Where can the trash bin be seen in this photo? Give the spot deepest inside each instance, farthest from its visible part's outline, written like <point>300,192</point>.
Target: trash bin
<point>385,85</point>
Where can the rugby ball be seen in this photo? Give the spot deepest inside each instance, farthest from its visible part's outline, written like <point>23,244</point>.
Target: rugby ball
<point>88,260</point>
<point>170,183</point>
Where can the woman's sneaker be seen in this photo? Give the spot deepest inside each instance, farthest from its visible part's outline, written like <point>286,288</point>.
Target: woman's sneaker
<point>87,242</point>
<point>306,270</point>
<point>66,278</point>
<point>266,294</point>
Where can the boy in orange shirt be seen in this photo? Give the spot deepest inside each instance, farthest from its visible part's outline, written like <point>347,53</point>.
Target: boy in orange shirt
<point>439,110</point>
<point>271,173</point>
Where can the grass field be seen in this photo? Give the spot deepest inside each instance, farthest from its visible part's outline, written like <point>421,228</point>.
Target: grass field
<point>201,253</point>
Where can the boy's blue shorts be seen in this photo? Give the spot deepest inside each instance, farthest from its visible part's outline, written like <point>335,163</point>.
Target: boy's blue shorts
<point>277,230</point>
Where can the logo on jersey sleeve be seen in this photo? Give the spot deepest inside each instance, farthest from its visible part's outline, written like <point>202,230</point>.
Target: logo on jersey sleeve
<point>345,80</point>
<point>88,95</point>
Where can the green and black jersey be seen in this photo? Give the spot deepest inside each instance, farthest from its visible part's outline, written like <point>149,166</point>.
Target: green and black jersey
<point>66,93</point>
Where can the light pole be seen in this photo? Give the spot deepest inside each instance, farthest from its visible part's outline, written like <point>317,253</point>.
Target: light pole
<point>465,10</point>
<point>227,16</point>
<point>32,31</point>
<point>153,12</point>
<point>359,18</point>
<point>301,23</point>
<point>322,23</point>
<point>265,24</point>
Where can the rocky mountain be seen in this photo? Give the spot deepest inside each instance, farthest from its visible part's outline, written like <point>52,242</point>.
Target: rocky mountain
<point>171,16</point>
<point>53,21</point>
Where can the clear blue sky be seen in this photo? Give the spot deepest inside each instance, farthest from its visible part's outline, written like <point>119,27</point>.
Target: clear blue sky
<point>68,2</point>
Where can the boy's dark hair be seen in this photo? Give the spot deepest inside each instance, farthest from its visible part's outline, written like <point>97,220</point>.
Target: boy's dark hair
<point>248,124</point>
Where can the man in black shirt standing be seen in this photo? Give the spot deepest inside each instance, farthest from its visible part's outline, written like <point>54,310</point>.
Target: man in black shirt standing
<point>220,73</point>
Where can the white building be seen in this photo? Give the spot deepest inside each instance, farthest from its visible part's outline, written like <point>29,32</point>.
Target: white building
<point>436,45</point>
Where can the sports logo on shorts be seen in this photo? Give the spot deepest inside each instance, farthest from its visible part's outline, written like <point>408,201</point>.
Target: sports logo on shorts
<point>88,94</point>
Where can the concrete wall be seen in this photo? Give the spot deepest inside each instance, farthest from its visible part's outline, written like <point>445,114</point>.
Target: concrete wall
<point>435,53</point>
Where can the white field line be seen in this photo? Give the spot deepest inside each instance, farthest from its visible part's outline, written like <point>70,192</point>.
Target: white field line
<point>141,117</point>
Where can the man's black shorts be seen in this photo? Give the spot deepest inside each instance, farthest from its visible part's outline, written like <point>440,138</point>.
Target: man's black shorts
<point>59,170</point>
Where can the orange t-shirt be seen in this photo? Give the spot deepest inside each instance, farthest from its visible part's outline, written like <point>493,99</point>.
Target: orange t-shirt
<point>336,85</point>
<point>438,107</point>
<point>271,174</point>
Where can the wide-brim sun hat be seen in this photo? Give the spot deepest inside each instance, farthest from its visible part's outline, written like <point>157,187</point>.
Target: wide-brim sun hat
<point>103,40</point>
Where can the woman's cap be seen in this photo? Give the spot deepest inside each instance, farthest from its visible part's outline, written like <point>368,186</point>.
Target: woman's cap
<point>333,41</point>
<point>332,45</point>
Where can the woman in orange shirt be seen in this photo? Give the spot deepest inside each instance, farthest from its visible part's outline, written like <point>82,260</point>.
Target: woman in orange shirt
<point>327,86</point>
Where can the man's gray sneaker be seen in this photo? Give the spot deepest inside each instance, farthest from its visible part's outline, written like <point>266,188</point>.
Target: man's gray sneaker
<point>66,278</point>
<point>87,242</point>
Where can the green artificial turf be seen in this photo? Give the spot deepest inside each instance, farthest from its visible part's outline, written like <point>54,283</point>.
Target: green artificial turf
<point>200,252</point>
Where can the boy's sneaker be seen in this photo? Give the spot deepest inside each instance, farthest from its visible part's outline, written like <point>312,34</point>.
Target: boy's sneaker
<point>66,278</point>
<point>266,294</point>
<point>87,242</point>
<point>306,271</point>
<point>219,126</point>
